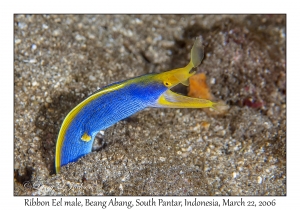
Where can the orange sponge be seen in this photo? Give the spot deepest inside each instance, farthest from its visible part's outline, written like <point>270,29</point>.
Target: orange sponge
<point>198,87</point>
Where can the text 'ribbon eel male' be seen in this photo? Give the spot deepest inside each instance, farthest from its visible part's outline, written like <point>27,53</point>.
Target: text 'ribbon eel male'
<point>117,101</point>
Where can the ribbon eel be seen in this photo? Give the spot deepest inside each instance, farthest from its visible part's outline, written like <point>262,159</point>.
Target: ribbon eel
<point>117,101</point>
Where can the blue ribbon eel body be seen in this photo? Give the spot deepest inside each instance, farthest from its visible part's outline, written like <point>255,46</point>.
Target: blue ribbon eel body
<point>117,101</point>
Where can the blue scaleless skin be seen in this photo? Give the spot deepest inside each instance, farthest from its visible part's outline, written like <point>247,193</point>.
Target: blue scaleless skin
<point>117,101</point>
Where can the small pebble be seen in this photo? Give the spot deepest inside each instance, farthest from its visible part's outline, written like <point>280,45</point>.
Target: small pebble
<point>234,175</point>
<point>205,125</point>
<point>92,78</point>
<point>212,81</point>
<point>48,100</point>
<point>33,47</point>
<point>22,25</point>
<point>45,26</point>
<point>222,132</point>
<point>162,159</point>
<point>121,187</point>
<point>259,180</point>
<point>18,41</point>
<point>57,32</point>
<point>80,37</point>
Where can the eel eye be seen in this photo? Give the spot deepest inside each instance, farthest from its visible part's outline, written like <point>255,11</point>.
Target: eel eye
<point>167,84</point>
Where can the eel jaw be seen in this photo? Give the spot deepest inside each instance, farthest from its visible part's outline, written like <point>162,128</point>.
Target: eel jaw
<point>171,99</point>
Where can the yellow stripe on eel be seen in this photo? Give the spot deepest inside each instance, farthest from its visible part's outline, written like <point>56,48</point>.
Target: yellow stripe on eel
<point>67,121</point>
